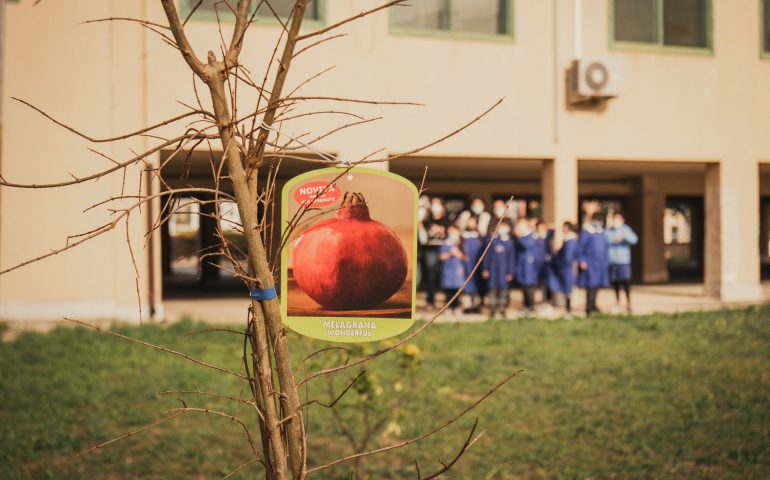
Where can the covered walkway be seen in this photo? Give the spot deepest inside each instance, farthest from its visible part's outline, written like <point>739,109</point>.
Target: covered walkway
<point>648,299</point>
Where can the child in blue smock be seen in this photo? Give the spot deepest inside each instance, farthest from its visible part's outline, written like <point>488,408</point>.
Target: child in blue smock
<point>473,245</point>
<point>527,265</point>
<point>452,266</point>
<point>544,237</point>
<point>561,269</point>
<point>620,238</point>
<point>498,268</point>
<point>593,261</point>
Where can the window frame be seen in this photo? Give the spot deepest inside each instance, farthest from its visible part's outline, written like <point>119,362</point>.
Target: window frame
<point>228,17</point>
<point>763,30</point>
<point>509,36</point>
<point>660,46</point>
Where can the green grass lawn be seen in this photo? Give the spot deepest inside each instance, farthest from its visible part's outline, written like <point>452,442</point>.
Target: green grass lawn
<point>666,396</point>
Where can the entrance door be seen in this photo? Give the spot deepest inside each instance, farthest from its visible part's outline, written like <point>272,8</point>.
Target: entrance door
<point>764,237</point>
<point>683,234</point>
<point>191,246</point>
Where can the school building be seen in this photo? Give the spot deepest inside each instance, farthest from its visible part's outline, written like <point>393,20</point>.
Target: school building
<point>656,108</point>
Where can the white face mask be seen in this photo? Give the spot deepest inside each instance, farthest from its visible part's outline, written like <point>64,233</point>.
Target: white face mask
<point>504,231</point>
<point>618,223</point>
<point>477,208</point>
<point>437,209</point>
<point>454,237</point>
<point>499,211</point>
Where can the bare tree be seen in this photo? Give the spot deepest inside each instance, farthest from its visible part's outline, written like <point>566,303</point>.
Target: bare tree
<point>246,151</point>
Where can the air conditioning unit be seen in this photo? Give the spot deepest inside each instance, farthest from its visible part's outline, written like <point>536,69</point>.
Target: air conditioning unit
<point>593,80</point>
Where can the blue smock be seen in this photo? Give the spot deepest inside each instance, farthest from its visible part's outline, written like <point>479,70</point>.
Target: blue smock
<point>473,245</point>
<point>544,254</point>
<point>452,268</point>
<point>561,269</point>
<point>527,266</point>
<point>592,249</point>
<point>620,240</point>
<point>499,262</point>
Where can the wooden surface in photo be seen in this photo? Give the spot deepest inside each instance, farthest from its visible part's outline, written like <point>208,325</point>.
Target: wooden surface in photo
<point>397,306</point>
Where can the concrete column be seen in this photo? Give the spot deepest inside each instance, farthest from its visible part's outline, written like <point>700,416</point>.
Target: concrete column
<point>654,268</point>
<point>560,190</point>
<point>738,194</point>
<point>712,249</point>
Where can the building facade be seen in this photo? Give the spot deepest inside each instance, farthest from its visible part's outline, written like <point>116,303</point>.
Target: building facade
<point>682,148</point>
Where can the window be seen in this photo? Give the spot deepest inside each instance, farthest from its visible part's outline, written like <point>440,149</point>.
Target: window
<point>474,17</point>
<point>766,26</point>
<point>669,23</point>
<point>208,9</point>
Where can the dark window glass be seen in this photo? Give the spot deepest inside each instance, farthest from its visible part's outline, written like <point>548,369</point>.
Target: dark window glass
<point>479,16</point>
<point>766,23</point>
<point>475,16</point>
<point>678,23</point>
<point>281,7</point>
<point>685,23</point>
<point>207,5</point>
<point>636,21</point>
<point>425,14</point>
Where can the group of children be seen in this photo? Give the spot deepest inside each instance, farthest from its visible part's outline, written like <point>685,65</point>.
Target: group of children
<point>486,255</point>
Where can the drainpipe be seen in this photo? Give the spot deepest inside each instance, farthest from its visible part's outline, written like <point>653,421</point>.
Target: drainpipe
<point>577,29</point>
<point>152,287</point>
<point>555,65</point>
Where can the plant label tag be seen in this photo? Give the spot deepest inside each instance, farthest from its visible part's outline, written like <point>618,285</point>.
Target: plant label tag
<point>348,254</point>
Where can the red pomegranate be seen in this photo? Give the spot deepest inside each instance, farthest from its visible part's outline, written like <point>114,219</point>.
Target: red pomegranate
<point>350,262</point>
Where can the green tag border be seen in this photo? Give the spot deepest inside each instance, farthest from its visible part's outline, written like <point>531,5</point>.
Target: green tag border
<point>313,326</point>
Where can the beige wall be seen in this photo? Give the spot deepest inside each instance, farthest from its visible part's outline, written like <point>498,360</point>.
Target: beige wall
<point>110,78</point>
<point>81,75</point>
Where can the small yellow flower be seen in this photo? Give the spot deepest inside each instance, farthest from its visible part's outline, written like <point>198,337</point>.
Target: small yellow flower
<point>411,350</point>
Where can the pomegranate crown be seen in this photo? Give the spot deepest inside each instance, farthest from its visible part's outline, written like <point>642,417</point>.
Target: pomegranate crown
<point>354,207</point>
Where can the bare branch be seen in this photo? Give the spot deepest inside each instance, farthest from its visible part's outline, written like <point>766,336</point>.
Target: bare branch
<point>351,100</point>
<point>242,21</point>
<point>319,42</point>
<point>157,347</point>
<point>451,134</point>
<point>120,137</point>
<point>177,29</point>
<point>336,399</point>
<point>94,176</point>
<point>350,19</point>
<point>448,466</point>
<point>239,468</point>
<point>214,395</point>
<point>192,12</point>
<point>420,437</point>
<point>127,19</point>
<point>129,434</point>
<point>223,415</point>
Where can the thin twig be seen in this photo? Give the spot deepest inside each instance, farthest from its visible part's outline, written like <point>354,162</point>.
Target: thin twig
<point>129,434</point>
<point>435,430</point>
<point>157,347</point>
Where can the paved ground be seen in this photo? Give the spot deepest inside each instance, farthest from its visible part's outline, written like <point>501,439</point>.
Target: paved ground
<point>216,308</point>
<point>646,299</point>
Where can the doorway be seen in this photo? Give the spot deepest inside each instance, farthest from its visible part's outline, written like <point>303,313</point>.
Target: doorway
<point>683,234</point>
